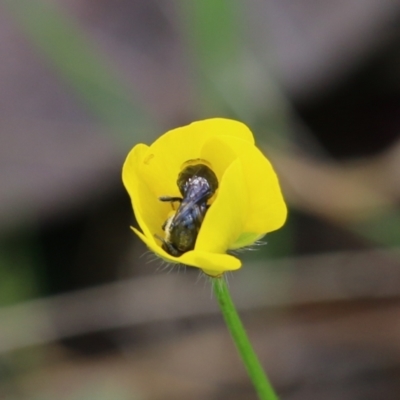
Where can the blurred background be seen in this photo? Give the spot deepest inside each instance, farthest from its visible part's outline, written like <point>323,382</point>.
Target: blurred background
<point>84,313</point>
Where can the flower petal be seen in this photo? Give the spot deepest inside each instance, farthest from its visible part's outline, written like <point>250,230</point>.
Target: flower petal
<point>226,217</point>
<point>246,239</point>
<point>266,210</point>
<point>184,143</point>
<point>212,264</point>
<point>247,204</point>
<point>168,153</point>
<point>155,247</point>
<point>150,213</point>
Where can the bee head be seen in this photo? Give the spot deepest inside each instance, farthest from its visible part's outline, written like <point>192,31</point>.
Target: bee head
<point>199,170</point>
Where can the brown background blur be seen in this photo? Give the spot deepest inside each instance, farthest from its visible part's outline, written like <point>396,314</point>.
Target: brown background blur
<point>84,313</point>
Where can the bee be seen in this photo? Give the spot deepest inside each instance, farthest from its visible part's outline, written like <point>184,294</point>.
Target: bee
<point>197,183</point>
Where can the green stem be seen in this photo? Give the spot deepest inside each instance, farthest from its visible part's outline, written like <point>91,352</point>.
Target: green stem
<point>239,336</point>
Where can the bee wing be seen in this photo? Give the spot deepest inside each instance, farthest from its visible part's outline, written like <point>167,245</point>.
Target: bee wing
<point>184,212</point>
<point>193,206</point>
<point>189,213</point>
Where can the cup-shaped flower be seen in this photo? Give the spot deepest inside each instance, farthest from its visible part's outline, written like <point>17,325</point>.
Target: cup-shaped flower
<point>247,204</point>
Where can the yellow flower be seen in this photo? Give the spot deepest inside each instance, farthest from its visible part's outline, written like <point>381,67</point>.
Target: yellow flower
<point>247,205</point>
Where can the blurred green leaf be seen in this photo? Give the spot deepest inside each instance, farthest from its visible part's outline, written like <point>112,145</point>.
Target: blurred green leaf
<point>211,27</point>
<point>383,228</point>
<point>231,79</point>
<point>17,269</point>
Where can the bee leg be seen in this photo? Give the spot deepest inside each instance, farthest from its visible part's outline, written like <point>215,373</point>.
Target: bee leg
<point>198,216</point>
<point>171,249</point>
<point>159,238</point>
<point>166,226</point>
<point>171,199</point>
<point>168,247</point>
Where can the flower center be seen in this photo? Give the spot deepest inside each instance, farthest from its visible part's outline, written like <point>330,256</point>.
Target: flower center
<point>197,183</point>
